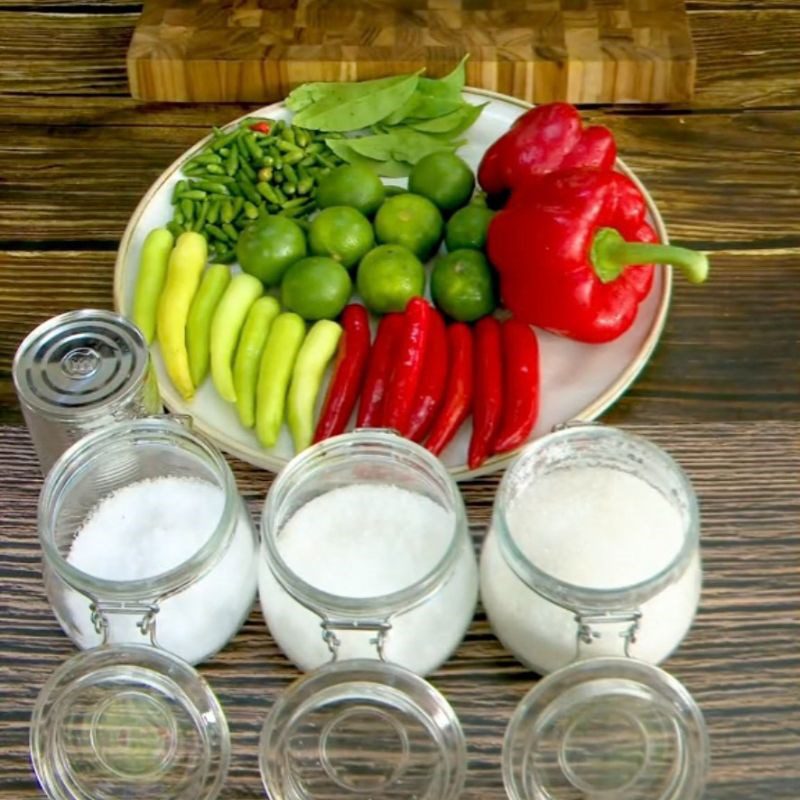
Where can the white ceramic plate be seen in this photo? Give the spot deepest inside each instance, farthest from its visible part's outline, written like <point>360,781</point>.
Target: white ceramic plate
<point>578,381</point>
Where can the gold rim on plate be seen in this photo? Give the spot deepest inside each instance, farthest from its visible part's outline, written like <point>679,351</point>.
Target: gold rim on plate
<point>266,460</point>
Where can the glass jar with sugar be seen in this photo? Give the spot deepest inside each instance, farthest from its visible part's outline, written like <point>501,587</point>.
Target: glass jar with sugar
<point>368,580</point>
<point>591,572</point>
<point>149,564</point>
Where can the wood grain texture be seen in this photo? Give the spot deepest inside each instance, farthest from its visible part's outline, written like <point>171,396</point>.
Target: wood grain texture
<point>740,660</point>
<point>762,73</point>
<point>582,51</point>
<point>80,183</point>
<point>721,357</point>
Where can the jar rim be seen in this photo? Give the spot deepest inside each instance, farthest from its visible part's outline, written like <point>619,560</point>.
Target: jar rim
<point>581,598</point>
<point>96,444</point>
<point>324,602</point>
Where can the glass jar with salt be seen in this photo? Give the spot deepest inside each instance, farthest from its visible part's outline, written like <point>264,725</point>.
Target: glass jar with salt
<point>368,580</point>
<point>591,572</point>
<point>149,563</point>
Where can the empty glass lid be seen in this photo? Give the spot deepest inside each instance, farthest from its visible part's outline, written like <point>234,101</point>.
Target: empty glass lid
<point>128,721</point>
<point>606,729</point>
<point>366,729</point>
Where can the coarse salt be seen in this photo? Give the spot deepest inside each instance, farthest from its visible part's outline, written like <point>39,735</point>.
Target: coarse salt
<point>597,528</point>
<point>369,540</point>
<point>151,527</point>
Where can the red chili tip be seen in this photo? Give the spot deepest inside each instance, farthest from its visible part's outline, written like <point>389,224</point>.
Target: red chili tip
<point>261,127</point>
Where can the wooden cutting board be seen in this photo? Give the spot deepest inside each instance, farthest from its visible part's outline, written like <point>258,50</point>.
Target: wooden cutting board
<point>582,51</point>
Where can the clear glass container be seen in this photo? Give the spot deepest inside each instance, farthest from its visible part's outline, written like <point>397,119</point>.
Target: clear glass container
<point>128,721</point>
<point>368,579</point>
<point>591,572</point>
<point>191,608</point>
<point>384,482</point>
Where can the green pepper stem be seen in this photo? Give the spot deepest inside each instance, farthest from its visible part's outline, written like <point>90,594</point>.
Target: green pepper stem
<point>610,254</point>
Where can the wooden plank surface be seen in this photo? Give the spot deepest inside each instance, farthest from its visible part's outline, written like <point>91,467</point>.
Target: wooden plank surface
<point>743,51</point>
<point>587,51</point>
<point>740,660</point>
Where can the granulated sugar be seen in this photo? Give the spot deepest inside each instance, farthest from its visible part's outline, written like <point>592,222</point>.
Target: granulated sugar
<point>368,540</point>
<point>597,528</point>
<point>151,527</point>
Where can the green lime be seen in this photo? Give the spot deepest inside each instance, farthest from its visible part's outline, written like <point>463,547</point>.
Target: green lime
<point>316,287</point>
<point>351,185</point>
<point>268,246</point>
<point>341,232</point>
<point>468,228</point>
<point>444,178</point>
<point>462,285</point>
<point>388,277</point>
<point>412,221</point>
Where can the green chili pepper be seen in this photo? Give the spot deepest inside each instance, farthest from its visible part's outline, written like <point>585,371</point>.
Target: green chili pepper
<point>248,356</point>
<point>226,211</point>
<point>275,370</point>
<point>250,210</point>
<point>210,186</point>
<point>230,231</point>
<point>316,352</point>
<point>289,173</point>
<point>217,233</point>
<point>213,211</point>
<point>150,280</point>
<point>215,169</point>
<point>187,208</point>
<point>186,263</point>
<point>198,325</point>
<point>232,162</point>
<point>252,147</point>
<point>269,192</point>
<point>226,325</point>
<point>247,170</point>
<point>180,187</point>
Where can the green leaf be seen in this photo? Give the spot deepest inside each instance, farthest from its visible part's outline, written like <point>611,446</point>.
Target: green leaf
<point>349,111</point>
<point>388,169</point>
<point>401,144</point>
<point>452,124</point>
<point>332,92</point>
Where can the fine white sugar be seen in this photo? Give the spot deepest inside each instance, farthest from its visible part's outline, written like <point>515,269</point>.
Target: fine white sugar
<point>596,527</point>
<point>599,528</point>
<point>366,540</point>
<point>363,541</point>
<point>146,529</point>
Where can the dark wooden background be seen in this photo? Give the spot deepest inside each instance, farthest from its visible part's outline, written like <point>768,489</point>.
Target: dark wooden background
<point>722,391</point>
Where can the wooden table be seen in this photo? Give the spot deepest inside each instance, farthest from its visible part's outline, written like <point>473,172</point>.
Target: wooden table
<point>722,392</point>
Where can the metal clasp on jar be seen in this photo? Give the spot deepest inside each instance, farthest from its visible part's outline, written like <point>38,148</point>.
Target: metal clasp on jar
<point>101,609</point>
<point>330,627</point>
<point>623,624</point>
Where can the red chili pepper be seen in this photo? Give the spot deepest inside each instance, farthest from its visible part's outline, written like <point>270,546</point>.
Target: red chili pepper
<point>379,367</point>
<point>520,385</point>
<point>348,373</point>
<point>261,127</point>
<point>408,360</point>
<point>432,382</point>
<point>547,138</point>
<point>458,394</point>
<point>488,402</point>
<point>576,277</point>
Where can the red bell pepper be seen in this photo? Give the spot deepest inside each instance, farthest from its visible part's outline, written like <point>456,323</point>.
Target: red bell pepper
<point>348,373</point>
<point>432,382</point>
<point>487,404</point>
<point>409,357</point>
<point>545,139</point>
<point>379,366</point>
<point>520,385</point>
<point>458,394</point>
<point>565,248</point>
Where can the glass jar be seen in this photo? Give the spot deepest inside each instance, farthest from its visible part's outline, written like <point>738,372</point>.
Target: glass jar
<point>591,572</point>
<point>146,540</point>
<point>368,579</point>
<point>128,721</point>
<point>325,568</point>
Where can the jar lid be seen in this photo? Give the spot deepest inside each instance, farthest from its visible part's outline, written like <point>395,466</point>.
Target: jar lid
<point>128,721</point>
<point>606,728</point>
<point>362,728</point>
<point>78,361</point>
